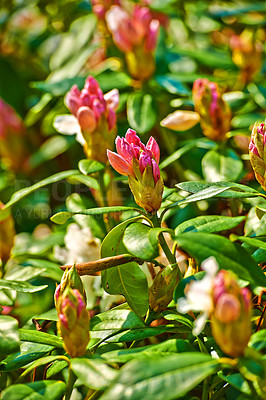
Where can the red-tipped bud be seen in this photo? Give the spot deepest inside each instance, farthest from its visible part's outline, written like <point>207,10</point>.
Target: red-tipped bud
<point>257,152</point>
<point>215,115</point>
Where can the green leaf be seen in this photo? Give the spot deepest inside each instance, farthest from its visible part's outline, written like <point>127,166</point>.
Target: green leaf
<point>20,286</point>
<point>161,349</point>
<point>94,374</point>
<point>48,269</point>
<point>254,242</point>
<point>165,378</point>
<point>9,336</point>
<point>258,340</point>
<point>228,255</point>
<point>42,361</point>
<point>29,352</point>
<point>87,167</point>
<point>128,279</point>
<point>221,167</point>
<point>40,337</point>
<point>63,216</point>
<point>47,181</point>
<point>172,84</point>
<point>142,240</point>
<point>174,316</point>
<point>208,224</point>
<point>236,190</point>
<point>140,112</point>
<point>85,180</point>
<point>50,315</point>
<point>207,193</point>
<point>52,390</point>
<point>116,319</point>
<point>235,100</point>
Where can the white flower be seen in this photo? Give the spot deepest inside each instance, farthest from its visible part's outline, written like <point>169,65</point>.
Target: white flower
<point>68,125</point>
<point>199,295</point>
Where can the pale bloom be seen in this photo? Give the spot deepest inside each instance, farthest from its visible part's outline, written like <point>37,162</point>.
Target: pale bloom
<point>199,295</point>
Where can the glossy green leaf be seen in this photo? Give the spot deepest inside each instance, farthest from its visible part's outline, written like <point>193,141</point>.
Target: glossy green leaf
<point>165,378</point>
<point>128,279</point>
<point>141,240</point>
<point>221,167</point>
<point>161,349</point>
<point>20,286</point>
<point>48,269</point>
<point>258,340</point>
<point>94,374</point>
<point>40,337</point>
<point>235,100</point>
<point>254,242</point>
<point>228,255</point>
<point>50,315</point>
<point>207,193</point>
<point>141,113</point>
<point>40,362</point>
<point>87,167</point>
<point>29,352</point>
<point>236,190</point>
<point>9,335</point>
<point>172,84</point>
<point>52,390</point>
<point>47,181</point>
<point>180,319</point>
<point>88,181</point>
<point>63,216</point>
<point>208,224</point>
<point>116,319</point>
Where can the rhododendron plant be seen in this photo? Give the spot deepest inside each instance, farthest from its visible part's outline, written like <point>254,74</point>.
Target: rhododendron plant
<point>257,152</point>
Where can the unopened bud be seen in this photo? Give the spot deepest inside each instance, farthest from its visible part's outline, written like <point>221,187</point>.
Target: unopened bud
<point>181,120</point>
<point>73,322</point>
<point>162,289</point>
<point>215,114</point>
<point>257,153</point>
<point>7,233</point>
<point>231,317</point>
<point>72,280</point>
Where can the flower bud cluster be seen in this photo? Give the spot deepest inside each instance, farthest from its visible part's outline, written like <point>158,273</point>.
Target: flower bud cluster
<point>73,318</point>
<point>135,32</point>
<point>140,164</point>
<point>215,114</point>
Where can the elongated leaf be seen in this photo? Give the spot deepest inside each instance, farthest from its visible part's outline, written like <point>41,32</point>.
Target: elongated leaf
<point>204,194</point>
<point>42,361</point>
<point>94,374</point>
<point>20,286</point>
<point>228,255</point>
<point>47,181</point>
<point>116,319</point>
<point>63,216</point>
<point>141,240</point>
<point>162,349</point>
<point>131,335</point>
<point>90,166</point>
<point>128,279</point>
<point>85,180</point>
<point>48,269</point>
<point>236,190</point>
<point>140,112</point>
<point>208,224</point>
<point>163,378</point>
<point>40,337</point>
<point>50,315</point>
<point>29,352</point>
<point>9,336</point>
<point>52,390</point>
<point>254,242</point>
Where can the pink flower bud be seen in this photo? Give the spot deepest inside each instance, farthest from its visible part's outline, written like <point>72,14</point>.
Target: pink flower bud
<point>73,322</point>
<point>231,317</point>
<point>215,115</point>
<point>135,32</point>
<point>257,152</point>
<point>139,163</point>
<point>96,117</point>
